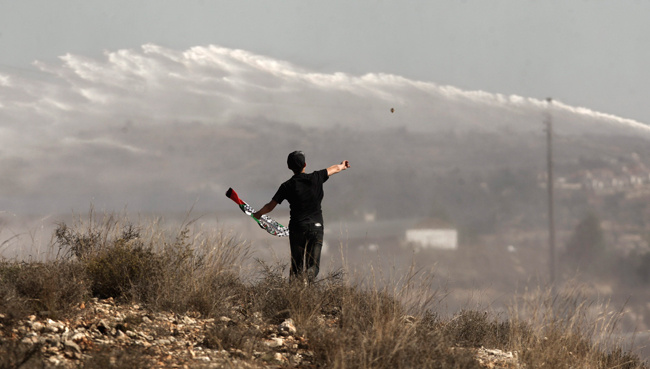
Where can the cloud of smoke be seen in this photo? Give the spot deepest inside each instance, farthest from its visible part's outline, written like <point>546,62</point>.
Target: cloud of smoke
<point>91,126</point>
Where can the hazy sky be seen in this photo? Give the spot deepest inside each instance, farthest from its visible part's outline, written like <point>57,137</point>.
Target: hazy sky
<point>116,102</point>
<point>586,53</point>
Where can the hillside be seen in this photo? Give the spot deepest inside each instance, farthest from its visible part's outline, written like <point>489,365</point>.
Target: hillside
<point>101,333</point>
<point>125,295</point>
<point>159,129</point>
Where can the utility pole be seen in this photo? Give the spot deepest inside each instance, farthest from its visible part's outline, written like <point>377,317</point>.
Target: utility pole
<point>550,184</point>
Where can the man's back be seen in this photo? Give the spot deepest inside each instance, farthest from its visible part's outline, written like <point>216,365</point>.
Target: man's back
<point>305,194</point>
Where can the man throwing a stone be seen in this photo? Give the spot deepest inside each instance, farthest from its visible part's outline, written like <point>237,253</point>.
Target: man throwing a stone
<point>304,191</point>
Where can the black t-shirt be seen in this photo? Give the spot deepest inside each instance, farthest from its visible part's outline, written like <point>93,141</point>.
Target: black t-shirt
<point>304,193</point>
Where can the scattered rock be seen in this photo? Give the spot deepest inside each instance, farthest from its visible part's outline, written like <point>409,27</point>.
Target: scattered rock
<point>37,326</point>
<point>274,342</point>
<point>174,340</point>
<point>272,357</point>
<point>225,319</point>
<point>494,358</point>
<point>72,350</point>
<point>287,328</point>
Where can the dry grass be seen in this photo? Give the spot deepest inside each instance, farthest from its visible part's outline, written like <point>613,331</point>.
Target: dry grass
<point>566,329</point>
<point>186,269</point>
<point>45,288</point>
<point>346,322</point>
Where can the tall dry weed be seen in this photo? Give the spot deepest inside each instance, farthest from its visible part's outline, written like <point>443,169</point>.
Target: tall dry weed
<point>45,288</point>
<point>361,324</point>
<point>182,268</point>
<point>565,328</point>
<point>346,320</point>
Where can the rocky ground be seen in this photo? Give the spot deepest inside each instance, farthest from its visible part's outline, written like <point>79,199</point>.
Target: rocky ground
<point>103,331</point>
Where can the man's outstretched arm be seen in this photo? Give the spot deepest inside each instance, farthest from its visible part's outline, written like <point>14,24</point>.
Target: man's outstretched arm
<point>338,167</point>
<point>265,209</point>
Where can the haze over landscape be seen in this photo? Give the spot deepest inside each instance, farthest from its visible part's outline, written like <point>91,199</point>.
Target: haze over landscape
<point>166,122</point>
<point>118,131</point>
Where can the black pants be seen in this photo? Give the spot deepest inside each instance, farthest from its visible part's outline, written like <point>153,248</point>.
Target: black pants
<point>306,241</point>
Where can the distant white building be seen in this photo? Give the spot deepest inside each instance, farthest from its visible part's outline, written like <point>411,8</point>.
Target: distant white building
<point>433,234</point>
<point>419,234</point>
<point>424,238</point>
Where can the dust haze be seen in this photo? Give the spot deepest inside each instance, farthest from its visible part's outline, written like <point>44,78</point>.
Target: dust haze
<point>159,132</point>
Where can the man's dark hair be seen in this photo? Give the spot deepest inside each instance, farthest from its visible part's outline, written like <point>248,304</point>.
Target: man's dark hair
<point>296,161</point>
